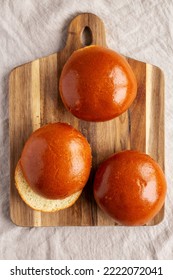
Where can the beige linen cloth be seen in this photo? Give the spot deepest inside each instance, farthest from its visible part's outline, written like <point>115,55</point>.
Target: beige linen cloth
<point>29,29</point>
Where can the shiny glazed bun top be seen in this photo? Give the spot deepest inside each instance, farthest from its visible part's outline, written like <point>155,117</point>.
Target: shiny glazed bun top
<point>97,84</point>
<point>56,161</point>
<point>130,187</point>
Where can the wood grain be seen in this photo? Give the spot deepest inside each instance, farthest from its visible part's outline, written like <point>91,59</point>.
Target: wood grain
<point>34,101</point>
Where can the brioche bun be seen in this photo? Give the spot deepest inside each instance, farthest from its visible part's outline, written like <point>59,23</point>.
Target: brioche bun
<point>97,84</point>
<point>55,164</point>
<point>37,202</point>
<point>130,187</point>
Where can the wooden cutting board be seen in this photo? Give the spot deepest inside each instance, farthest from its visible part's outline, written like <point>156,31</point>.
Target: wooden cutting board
<point>34,101</point>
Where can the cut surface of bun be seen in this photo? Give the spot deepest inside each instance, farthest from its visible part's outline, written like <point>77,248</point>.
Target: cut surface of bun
<point>37,202</point>
<point>97,84</point>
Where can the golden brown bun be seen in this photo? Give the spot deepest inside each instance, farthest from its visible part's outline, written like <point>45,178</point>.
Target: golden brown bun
<point>38,202</point>
<point>56,161</point>
<point>130,187</point>
<point>97,84</point>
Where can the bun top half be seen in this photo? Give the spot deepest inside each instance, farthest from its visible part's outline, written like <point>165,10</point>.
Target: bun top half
<point>56,161</point>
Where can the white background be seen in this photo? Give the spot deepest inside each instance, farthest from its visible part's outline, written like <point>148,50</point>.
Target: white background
<point>32,28</point>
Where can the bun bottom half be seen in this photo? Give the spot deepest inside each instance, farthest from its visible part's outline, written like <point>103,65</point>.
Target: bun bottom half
<point>37,202</point>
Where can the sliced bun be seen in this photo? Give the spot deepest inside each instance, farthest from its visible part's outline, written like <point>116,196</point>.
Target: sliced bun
<point>56,161</point>
<point>37,202</point>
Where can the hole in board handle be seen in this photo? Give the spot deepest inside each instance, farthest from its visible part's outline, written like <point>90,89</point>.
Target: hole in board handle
<point>86,36</point>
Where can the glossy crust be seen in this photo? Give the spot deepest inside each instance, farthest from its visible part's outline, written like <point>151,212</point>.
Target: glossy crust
<point>56,161</point>
<point>97,84</point>
<point>130,187</point>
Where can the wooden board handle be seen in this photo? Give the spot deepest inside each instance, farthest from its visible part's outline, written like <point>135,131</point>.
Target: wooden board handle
<point>86,29</point>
